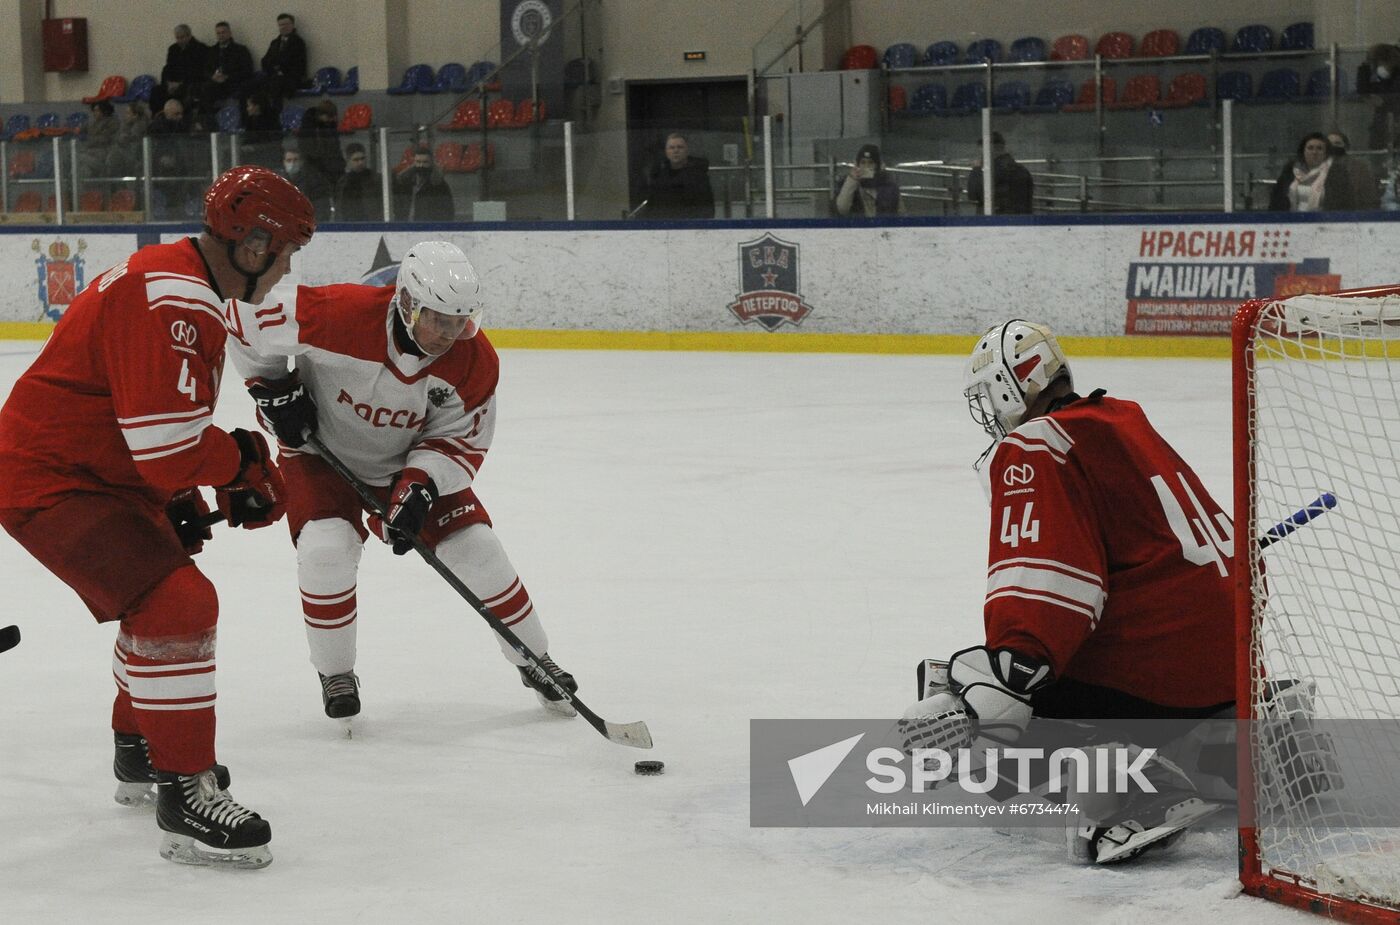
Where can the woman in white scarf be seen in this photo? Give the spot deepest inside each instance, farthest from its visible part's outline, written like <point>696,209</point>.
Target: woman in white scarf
<point>1303,185</point>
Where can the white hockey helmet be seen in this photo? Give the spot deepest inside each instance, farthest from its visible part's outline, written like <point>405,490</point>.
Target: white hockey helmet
<point>1010,366</point>
<point>439,296</point>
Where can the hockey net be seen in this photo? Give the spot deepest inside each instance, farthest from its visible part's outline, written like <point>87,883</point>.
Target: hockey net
<point>1317,413</point>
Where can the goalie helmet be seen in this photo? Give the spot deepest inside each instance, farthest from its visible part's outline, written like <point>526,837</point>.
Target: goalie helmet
<point>1012,364</point>
<point>438,296</point>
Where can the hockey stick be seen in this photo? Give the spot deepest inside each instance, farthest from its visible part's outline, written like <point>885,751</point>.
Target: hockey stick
<point>634,734</point>
<point>1320,505</point>
<point>9,638</point>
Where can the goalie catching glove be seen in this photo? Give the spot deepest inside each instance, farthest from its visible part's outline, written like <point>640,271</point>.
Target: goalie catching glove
<point>979,692</point>
<point>257,496</point>
<point>409,502</point>
<point>286,407</point>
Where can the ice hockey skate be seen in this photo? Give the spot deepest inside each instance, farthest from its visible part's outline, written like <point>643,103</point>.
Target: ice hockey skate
<point>340,695</point>
<point>548,696</point>
<point>136,779</point>
<point>1128,839</point>
<point>205,827</point>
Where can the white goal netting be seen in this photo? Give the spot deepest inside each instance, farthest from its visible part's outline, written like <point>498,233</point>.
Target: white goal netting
<point>1323,418</point>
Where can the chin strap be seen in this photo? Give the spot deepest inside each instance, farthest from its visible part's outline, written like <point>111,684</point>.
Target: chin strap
<point>252,278</point>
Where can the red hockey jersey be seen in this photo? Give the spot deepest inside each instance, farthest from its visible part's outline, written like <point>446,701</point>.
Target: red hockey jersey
<point>122,396</point>
<point>1108,557</point>
<point>378,408</point>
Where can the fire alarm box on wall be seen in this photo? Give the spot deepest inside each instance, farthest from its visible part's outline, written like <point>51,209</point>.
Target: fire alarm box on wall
<point>65,45</point>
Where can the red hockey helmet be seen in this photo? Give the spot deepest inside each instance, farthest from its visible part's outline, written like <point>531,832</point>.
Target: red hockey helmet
<point>244,200</point>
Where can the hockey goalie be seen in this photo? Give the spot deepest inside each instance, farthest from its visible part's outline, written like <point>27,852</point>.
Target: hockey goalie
<point>1109,598</point>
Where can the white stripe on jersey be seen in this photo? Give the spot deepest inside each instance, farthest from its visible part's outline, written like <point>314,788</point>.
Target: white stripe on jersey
<point>1021,577</point>
<point>1042,435</point>
<point>1084,611</point>
<point>168,290</point>
<point>152,436</point>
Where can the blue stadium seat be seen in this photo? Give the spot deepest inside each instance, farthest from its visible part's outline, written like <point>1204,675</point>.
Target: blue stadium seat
<point>1029,48</point>
<point>968,98</point>
<point>1205,41</point>
<point>1319,85</point>
<point>230,118</point>
<point>928,99</point>
<point>479,72</point>
<point>1011,96</point>
<point>451,78</point>
<point>349,84</point>
<point>49,123</point>
<point>1056,93</point>
<point>17,123</point>
<point>291,118</point>
<point>983,50</point>
<point>901,55</point>
<point>139,89</point>
<point>1297,37</point>
<point>77,122</point>
<point>1234,85</point>
<point>1280,86</point>
<point>321,81</point>
<point>414,78</point>
<point>1252,39</point>
<point>940,54</point>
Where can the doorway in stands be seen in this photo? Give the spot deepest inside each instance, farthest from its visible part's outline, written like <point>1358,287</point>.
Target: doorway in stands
<point>708,111</point>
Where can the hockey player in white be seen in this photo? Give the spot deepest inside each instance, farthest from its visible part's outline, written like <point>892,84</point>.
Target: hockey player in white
<point>399,383</point>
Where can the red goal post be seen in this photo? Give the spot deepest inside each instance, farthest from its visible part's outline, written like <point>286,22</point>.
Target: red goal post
<point>1316,409</point>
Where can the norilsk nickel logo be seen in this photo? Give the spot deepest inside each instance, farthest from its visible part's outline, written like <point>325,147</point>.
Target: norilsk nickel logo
<point>768,283</point>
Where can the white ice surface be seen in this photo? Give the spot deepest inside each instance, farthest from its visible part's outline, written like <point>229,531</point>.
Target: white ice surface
<point>710,538</point>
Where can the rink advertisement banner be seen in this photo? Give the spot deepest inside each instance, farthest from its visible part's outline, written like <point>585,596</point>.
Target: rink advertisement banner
<point>881,772</point>
<point>1084,279</point>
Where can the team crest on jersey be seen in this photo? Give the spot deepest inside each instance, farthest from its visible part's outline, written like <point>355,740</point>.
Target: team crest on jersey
<point>60,276</point>
<point>439,395</point>
<point>769,284</point>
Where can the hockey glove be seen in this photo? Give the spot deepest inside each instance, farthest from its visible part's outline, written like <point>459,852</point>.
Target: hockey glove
<point>186,510</point>
<point>286,406</point>
<point>257,497</point>
<point>409,503</point>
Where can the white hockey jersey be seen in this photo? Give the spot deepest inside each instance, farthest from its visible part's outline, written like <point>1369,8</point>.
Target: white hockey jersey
<point>377,408</point>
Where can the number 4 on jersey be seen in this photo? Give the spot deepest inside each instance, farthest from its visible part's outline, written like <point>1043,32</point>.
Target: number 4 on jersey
<point>187,385</point>
<point>1216,546</point>
<point>1012,534</point>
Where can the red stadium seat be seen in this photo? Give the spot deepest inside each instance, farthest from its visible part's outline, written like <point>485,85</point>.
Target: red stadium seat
<point>123,200</point>
<point>1070,48</point>
<point>23,163</point>
<point>112,86</point>
<point>1141,91</point>
<point>1160,43</point>
<point>1087,90</point>
<point>1114,45</point>
<point>899,99</point>
<point>528,112</point>
<point>28,201</point>
<point>500,114</point>
<point>860,58</point>
<point>357,118</point>
<point>93,200</point>
<point>448,155</point>
<point>1185,90</point>
<point>465,117</point>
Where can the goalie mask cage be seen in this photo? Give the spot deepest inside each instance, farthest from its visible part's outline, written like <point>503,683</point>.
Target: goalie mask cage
<point>1317,410</point>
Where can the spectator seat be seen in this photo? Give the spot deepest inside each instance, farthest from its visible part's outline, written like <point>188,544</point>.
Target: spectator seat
<point>139,89</point>
<point>1054,95</point>
<point>1088,91</point>
<point>1279,86</point>
<point>451,78</point>
<point>357,118</point>
<point>983,50</point>
<point>527,112</point>
<point>1114,45</point>
<point>291,118</point>
<point>123,200</point>
<point>902,54</point>
<point>1011,96</point>
<point>19,122</point>
<point>349,84</point>
<point>941,54</point>
<point>855,58</point>
<point>1027,49</point>
<point>1319,84</point>
<point>448,156</point>
<point>23,164</point>
<point>1234,85</point>
<point>1252,39</point>
<point>466,116</point>
<point>929,99</point>
<point>113,86</point>
<point>481,70</point>
<point>93,200</point>
<point>472,159</point>
<point>1160,43</point>
<point>1185,90</point>
<point>967,99</point>
<point>1140,92</point>
<point>500,114</point>
<point>230,118</point>
<point>898,99</point>
<point>1297,37</point>
<point>77,122</point>
<point>50,125</point>
<point>28,201</point>
<point>321,81</point>
<point>1206,40</point>
<point>1069,48</point>
<point>414,78</point>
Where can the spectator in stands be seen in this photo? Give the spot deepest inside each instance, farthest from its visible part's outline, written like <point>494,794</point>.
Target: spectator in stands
<point>125,156</point>
<point>311,183</point>
<point>420,192</point>
<point>284,65</point>
<point>184,67</point>
<point>319,138</point>
<point>230,66</point>
<point>173,156</point>
<point>1363,192</point>
<point>1013,189</point>
<point>869,189</point>
<point>262,132</point>
<point>1390,196</point>
<point>1378,77</point>
<point>100,137</point>
<point>1305,184</point>
<point>357,192</point>
<point>679,186</point>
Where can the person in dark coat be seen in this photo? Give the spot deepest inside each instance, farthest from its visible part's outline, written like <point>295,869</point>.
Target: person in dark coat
<point>284,65</point>
<point>869,189</point>
<point>1363,189</point>
<point>319,138</point>
<point>184,62</point>
<point>1013,189</point>
<point>1378,78</point>
<point>679,187</point>
<point>312,184</point>
<point>420,192</point>
<point>357,192</point>
<point>229,66</point>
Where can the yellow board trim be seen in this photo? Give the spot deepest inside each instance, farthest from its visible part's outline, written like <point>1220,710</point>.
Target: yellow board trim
<point>786,342</point>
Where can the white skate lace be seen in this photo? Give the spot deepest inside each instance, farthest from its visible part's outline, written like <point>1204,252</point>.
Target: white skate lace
<point>340,684</point>
<point>209,801</point>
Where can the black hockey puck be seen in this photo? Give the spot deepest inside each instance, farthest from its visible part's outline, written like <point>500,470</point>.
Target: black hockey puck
<point>649,767</point>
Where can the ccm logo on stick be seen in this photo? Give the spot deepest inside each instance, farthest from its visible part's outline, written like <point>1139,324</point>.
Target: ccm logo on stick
<point>401,418</point>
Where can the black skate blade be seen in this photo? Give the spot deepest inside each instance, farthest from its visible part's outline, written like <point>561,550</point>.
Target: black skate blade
<point>183,849</point>
<point>636,734</point>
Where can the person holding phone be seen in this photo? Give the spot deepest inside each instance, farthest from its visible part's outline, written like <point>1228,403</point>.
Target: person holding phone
<point>869,189</point>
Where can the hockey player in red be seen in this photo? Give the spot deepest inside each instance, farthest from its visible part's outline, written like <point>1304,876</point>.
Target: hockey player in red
<point>399,383</point>
<point>1108,588</point>
<point>103,443</point>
